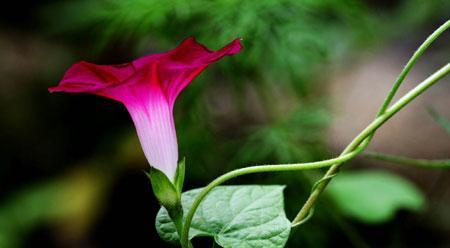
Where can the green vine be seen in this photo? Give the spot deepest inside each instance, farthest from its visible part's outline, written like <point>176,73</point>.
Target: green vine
<point>425,163</point>
<point>358,144</point>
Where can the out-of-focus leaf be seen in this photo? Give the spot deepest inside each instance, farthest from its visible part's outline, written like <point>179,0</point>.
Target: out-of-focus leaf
<point>71,200</point>
<point>297,137</point>
<point>236,216</point>
<point>411,14</point>
<point>373,196</point>
<point>445,124</point>
<point>287,39</point>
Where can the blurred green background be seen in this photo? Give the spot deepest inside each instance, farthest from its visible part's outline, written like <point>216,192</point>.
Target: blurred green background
<point>71,168</point>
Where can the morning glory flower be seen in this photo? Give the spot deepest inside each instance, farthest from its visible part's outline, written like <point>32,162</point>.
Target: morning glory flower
<point>148,87</point>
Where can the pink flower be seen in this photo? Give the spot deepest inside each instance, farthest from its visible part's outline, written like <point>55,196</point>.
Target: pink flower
<point>148,87</point>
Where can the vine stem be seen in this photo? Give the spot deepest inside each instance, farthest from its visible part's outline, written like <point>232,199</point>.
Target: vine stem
<point>383,109</point>
<point>401,77</point>
<point>256,169</point>
<point>354,148</point>
<point>444,163</point>
<point>432,37</point>
<point>351,151</point>
<point>367,132</point>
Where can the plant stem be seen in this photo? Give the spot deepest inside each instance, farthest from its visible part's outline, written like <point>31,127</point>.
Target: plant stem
<point>401,77</point>
<point>351,151</point>
<point>425,163</point>
<point>256,169</point>
<point>411,95</point>
<point>177,218</point>
<point>355,147</point>
<point>381,111</point>
<point>411,63</point>
<point>176,215</point>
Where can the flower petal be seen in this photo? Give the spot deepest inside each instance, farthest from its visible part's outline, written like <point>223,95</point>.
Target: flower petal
<point>88,77</point>
<point>178,67</point>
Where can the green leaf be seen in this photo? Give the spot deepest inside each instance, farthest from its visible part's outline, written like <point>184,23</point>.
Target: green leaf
<point>374,196</point>
<point>236,216</point>
<point>445,124</point>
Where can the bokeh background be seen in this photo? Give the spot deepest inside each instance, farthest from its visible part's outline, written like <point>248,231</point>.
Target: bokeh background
<point>311,76</point>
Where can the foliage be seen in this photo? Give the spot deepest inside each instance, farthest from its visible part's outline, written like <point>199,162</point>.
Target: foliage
<point>235,216</point>
<point>374,196</point>
<point>72,199</point>
<point>288,37</point>
<point>413,13</point>
<point>297,137</point>
<point>441,120</point>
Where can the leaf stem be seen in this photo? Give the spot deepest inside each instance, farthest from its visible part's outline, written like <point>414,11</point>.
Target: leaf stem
<point>425,163</point>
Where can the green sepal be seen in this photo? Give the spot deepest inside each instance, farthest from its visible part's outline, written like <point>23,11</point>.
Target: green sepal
<point>164,190</point>
<point>179,175</point>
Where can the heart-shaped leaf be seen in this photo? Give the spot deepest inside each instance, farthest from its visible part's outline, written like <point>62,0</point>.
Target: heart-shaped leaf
<point>235,216</point>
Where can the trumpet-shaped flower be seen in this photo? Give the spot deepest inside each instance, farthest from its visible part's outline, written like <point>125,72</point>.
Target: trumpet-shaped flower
<point>148,87</point>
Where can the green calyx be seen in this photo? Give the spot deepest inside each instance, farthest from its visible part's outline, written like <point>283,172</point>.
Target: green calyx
<point>168,193</point>
<point>179,175</point>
